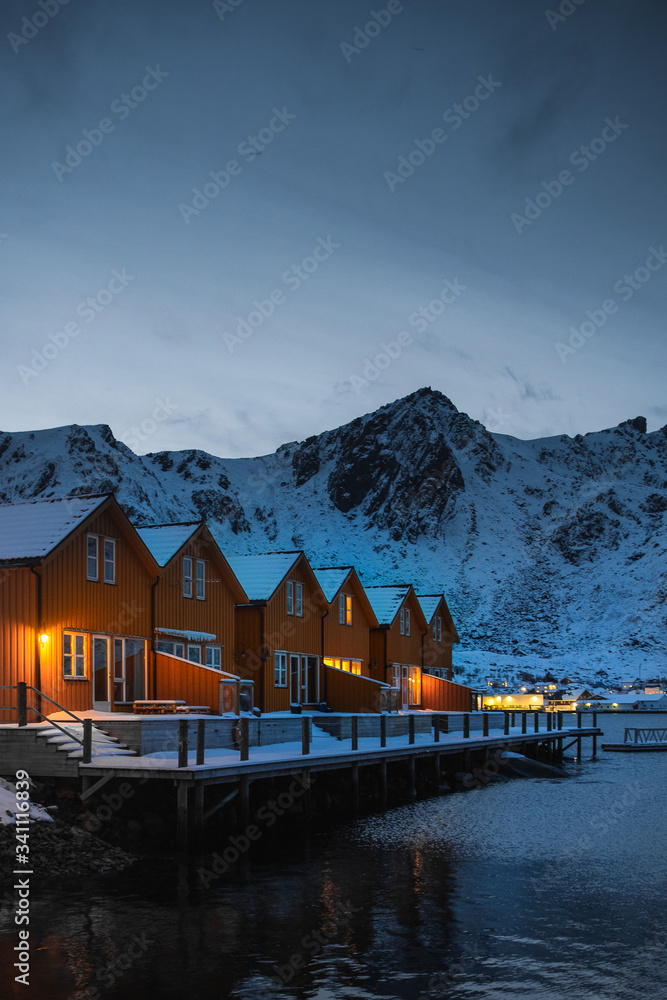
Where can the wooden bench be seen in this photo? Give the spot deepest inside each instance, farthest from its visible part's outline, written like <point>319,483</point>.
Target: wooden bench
<point>156,707</point>
<point>193,710</point>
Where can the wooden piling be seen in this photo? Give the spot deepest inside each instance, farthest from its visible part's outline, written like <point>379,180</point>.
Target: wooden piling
<point>201,740</point>
<point>506,724</point>
<point>466,726</point>
<point>354,721</point>
<point>87,755</point>
<point>524,722</point>
<point>182,744</point>
<point>244,738</point>
<point>182,810</point>
<point>485,724</point>
<point>305,734</point>
<point>411,729</point>
<point>436,728</point>
<point>383,730</point>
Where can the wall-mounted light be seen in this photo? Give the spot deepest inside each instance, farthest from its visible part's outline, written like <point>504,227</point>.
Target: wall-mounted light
<point>43,639</point>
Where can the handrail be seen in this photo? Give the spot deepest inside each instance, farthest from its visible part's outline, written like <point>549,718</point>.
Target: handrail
<point>29,687</point>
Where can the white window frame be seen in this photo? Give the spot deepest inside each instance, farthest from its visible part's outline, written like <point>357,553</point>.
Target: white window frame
<point>345,609</point>
<point>402,620</point>
<point>280,669</point>
<point>299,600</point>
<point>290,599</point>
<point>213,653</point>
<point>407,621</point>
<point>93,560</point>
<point>109,563</point>
<point>187,576</point>
<point>438,629</point>
<point>171,647</point>
<point>194,648</point>
<point>77,660</point>
<point>200,579</point>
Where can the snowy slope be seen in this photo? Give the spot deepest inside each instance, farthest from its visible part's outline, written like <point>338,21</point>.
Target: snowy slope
<point>548,548</point>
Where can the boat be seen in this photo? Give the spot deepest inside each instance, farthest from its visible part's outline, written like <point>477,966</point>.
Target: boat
<point>640,741</point>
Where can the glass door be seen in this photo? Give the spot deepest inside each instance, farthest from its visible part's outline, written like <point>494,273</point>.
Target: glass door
<point>129,670</point>
<point>404,687</point>
<point>101,674</point>
<point>295,679</point>
<point>310,677</point>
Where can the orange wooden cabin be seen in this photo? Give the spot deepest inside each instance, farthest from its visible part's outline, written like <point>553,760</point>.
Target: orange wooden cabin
<point>440,636</point>
<point>74,602</point>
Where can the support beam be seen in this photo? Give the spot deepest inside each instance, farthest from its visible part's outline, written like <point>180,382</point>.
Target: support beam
<point>244,738</point>
<point>383,784</point>
<point>182,812</point>
<point>199,810</point>
<point>201,740</point>
<point>354,722</point>
<point>354,776</point>
<point>244,800</point>
<point>383,730</point>
<point>412,784</point>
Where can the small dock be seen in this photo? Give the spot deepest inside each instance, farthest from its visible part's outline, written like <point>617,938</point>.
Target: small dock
<point>640,741</point>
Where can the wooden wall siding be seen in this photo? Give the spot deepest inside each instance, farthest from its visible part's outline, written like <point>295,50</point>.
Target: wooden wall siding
<point>438,654</point>
<point>215,614</point>
<point>18,614</point>
<point>190,682</point>
<point>439,695</point>
<point>71,601</point>
<point>406,648</point>
<point>350,693</point>
<point>351,641</point>
<point>376,662</point>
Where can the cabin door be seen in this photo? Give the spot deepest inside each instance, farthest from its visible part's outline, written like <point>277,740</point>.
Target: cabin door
<point>101,673</point>
<point>310,677</point>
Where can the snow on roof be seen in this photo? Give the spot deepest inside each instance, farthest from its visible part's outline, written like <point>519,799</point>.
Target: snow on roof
<point>32,530</point>
<point>429,603</point>
<point>386,601</point>
<point>260,575</point>
<point>184,634</point>
<point>331,579</point>
<point>164,540</point>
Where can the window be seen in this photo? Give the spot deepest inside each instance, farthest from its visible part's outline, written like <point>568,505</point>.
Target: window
<point>201,580</point>
<point>175,648</point>
<point>437,629</point>
<point>74,655</point>
<point>109,560</point>
<point>280,670</point>
<point>295,598</point>
<point>345,609</point>
<point>214,657</point>
<point>405,621</point>
<point>194,654</point>
<point>92,558</point>
<point>349,666</point>
<point>414,685</point>
<point>187,576</point>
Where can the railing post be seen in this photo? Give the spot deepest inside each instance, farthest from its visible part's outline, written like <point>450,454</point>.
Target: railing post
<point>466,726</point>
<point>485,724</point>
<point>524,722</point>
<point>578,720</point>
<point>445,723</point>
<point>182,742</point>
<point>549,720</point>
<point>87,741</point>
<point>411,729</point>
<point>506,726</point>
<point>354,731</point>
<point>560,720</point>
<point>201,740</point>
<point>305,734</point>
<point>383,730</point>
<point>537,721</point>
<point>22,702</point>
<point>595,718</point>
<point>244,741</point>
<point>436,728</point>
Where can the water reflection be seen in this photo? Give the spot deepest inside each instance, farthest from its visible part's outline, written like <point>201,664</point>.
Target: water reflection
<point>532,889</point>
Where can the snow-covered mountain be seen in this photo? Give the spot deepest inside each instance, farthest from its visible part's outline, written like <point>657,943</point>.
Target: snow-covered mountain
<point>548,549</point>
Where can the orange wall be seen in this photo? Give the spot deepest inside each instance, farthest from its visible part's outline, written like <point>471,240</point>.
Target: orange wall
<point>70,601</point>
<point>439,695</point>
<point>18,615</point>
<point>404,648</point>
<point>214,615</point>
<point>351,641</point>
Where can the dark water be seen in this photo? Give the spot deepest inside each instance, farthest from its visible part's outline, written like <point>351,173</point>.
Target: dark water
<point>535,889</point>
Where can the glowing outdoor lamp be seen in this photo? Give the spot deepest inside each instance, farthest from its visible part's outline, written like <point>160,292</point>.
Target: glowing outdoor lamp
<point>43,639</point>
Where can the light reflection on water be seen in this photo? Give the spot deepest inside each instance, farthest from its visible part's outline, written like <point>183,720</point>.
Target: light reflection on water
<point>535,889</point>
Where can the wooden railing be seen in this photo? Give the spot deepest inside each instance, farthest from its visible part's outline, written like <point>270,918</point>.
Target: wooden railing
<point>439,695</point>
<point>645,736</point>
<point>22,708</point>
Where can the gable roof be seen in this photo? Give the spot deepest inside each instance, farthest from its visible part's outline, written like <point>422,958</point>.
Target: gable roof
<point>164,540</point>
<point>386,601</point>
<point>429,604</point>
<point>260,575</point>
<point>331,579</point>
<point>30,531</point>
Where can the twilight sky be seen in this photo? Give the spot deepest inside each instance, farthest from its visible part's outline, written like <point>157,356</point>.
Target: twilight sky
<point>370,201</point>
